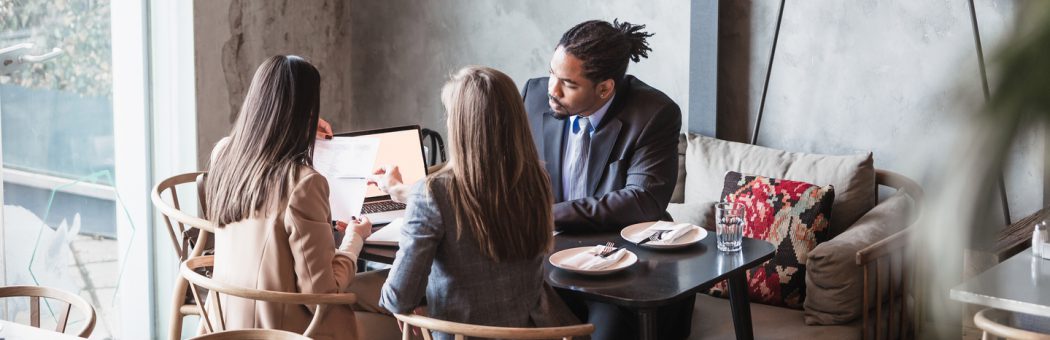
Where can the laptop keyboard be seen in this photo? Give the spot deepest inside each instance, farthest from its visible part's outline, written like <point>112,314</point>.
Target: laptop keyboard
<point>381,206</point>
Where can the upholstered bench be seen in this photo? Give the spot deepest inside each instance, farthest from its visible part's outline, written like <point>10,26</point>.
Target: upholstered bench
<point>864,261</point>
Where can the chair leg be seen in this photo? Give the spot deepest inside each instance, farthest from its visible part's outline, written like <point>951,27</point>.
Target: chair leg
<point>63,319</point>
<point>34,311</point>
<point>178,299</point>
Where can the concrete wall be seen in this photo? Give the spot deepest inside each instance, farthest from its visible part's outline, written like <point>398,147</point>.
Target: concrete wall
<point>384,62</point>
<point>231,39</point>
<point>893,77</point>
<point>404,50</point>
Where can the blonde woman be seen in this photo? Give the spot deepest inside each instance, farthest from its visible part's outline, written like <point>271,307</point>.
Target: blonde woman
<point>274,231</point>
<point>476,232</point>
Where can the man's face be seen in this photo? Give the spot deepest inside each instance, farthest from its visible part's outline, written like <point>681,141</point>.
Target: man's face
<point>571,93</point>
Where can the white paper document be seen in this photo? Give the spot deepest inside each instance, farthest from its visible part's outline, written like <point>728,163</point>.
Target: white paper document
<point>346,162</point>
<point>346,197</point>
<point>346,156</point>
<point>388,235</point>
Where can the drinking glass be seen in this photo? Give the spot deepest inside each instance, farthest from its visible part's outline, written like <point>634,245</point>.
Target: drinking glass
<point>729,225</point>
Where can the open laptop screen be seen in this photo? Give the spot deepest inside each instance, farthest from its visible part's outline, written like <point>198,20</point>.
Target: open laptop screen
<point>401,146</point>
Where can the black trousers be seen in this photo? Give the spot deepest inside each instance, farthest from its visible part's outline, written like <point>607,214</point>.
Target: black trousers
<point>612,322</point>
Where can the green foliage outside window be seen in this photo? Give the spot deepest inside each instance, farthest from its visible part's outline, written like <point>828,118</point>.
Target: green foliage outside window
<point>81,28</point>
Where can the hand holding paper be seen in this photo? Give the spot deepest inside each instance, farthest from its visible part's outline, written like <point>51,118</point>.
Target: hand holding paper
<point>347,163</point>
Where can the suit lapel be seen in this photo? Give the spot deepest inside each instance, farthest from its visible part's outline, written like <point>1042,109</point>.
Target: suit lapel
<point>605,137</point>
<point>601,145</point>
<point>553,139</point>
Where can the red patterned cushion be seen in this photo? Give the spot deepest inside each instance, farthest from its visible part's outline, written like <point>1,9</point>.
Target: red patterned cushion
<point>794,217</point>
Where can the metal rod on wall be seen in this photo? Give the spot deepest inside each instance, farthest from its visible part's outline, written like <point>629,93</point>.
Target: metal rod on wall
<point>987,95</point>
<point>769,71</point>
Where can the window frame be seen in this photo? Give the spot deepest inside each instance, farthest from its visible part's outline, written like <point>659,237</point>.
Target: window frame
<point>155,137</point>
<point>131,135</point>
<point>173,128</point>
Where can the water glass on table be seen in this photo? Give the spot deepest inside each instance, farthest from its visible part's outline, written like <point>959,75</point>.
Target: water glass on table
<point>729,225</point>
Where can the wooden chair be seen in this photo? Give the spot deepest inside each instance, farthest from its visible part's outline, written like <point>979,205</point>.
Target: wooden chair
<point>182,229</point>
<point>34,293</point>
<point>462,330</point>
<point>895,254</point>
<point>189,268</point>
<point>990,321</point>
<point>252,334</point>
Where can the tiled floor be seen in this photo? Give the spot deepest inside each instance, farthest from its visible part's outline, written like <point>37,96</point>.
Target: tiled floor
<point>94,273</point>
<point>96,263</point>
<point>98,267</point>
<point>61,258</point>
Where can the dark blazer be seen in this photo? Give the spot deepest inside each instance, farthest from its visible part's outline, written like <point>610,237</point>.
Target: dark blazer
<point>633,162</point>
<point>459,282</point>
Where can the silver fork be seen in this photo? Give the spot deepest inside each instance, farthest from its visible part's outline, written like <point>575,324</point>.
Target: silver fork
<point>655,236</point>
<point>609,249</point>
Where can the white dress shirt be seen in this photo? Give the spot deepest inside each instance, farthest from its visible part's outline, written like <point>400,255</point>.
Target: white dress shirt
<point>574,134</point>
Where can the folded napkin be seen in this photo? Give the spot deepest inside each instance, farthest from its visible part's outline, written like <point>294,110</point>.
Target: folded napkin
<point>674,231</point>
<point>589,260</point>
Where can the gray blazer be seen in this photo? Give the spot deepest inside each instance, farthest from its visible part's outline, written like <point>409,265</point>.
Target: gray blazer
<point>460,284</point>
<point>633,162</point>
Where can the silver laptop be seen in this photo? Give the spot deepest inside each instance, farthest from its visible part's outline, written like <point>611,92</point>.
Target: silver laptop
<point>401,146</point>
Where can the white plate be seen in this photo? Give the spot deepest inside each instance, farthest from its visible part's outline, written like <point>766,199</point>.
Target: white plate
<point>690,237</point>
<point>624,262</point>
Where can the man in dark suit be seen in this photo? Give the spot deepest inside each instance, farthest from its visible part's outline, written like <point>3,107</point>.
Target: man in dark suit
<point>609,142</point>
<point>623,169</point>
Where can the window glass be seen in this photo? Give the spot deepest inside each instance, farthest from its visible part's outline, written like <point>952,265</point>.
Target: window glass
<point>56,115</point>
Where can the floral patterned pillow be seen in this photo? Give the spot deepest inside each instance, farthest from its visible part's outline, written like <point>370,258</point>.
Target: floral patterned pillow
<point>794,217</point>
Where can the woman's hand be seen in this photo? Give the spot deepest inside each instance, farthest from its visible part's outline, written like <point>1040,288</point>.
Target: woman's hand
<point>386,177</point>
<point>324,130</point>
<point>362,226</point>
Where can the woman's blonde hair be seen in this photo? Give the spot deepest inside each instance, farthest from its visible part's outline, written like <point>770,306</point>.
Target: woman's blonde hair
<point>498,188</point>
<point>271,140</point>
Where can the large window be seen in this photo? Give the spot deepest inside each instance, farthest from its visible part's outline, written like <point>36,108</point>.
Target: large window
<point>60,212</point>
<point>84,133</point>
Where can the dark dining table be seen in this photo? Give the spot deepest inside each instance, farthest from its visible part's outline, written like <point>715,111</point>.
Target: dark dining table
<point>661,277</point>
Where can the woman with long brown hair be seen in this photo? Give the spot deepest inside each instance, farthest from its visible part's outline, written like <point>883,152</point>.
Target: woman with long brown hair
<point>271,207</point>
<point>476,232</point>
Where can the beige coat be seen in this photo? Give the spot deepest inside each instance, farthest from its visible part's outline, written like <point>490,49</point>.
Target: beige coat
<point>290,250</point>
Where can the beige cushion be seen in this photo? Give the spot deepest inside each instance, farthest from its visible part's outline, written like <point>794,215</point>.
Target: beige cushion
<point>678,195</point>
<point>696,213</point>
<point>708,159</point>
<point>834,282</point>
<point>713,319</point>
